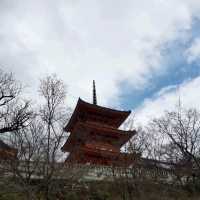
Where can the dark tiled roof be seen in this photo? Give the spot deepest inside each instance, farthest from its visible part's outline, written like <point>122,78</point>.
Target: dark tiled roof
<point>82,106</point>
<point>4,146</point>
<point>151,163</point>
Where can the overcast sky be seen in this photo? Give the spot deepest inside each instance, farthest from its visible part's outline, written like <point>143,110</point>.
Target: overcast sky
<point>143,54</point>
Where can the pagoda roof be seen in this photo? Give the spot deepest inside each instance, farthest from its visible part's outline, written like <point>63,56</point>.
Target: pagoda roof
<point>119,137</point>
<point>101,146</point>
<point>117,158</point>
<point>7,152</point>
<point>117,117</point>
<point>93,150</point>
<point>109,130</point>
<point>4,146</point>
<point>113,156</point>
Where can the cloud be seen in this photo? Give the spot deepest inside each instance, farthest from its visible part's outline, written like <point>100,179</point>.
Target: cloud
<point>193,52</point>
<point>168,98</point>
<point>110,41</point>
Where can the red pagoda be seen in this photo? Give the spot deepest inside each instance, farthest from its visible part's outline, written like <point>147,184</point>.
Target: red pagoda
<point>7,152</point>
<point>94,135</point>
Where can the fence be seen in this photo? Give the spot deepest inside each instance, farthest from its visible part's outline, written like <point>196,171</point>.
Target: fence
<point>80,172</point>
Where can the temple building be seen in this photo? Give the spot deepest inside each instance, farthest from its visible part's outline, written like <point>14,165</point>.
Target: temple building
<point>7,152</point>
<point>95,137</point>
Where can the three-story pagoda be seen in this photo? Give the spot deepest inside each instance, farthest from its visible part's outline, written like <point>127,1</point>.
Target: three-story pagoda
<point>95,137</point>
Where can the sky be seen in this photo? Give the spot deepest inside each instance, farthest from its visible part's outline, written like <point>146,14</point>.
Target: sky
<point>143,55</point>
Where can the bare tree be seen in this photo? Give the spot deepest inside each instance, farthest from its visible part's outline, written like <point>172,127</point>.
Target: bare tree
<point>40,167</point>
<point>141,142</point>
<point>14,111</point>
<point>53,115</point>
<point>180,130</point>
<point>26,169</point>
<point>183,130</point>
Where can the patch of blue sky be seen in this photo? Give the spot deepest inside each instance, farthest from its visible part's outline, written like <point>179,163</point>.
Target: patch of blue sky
<point>178,71</point>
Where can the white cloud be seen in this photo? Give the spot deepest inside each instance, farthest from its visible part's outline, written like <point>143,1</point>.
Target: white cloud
<point>110,41</point>
<point>168,98</point>
<point>193,52</point>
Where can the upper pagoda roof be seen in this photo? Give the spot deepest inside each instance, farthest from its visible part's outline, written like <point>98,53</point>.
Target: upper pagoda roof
<point>115,117</point>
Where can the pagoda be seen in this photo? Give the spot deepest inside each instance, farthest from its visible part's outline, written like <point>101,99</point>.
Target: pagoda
<point>7,152</point>
<point>95,137</point>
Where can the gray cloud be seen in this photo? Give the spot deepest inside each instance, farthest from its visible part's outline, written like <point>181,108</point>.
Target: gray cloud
<point>110,41</point>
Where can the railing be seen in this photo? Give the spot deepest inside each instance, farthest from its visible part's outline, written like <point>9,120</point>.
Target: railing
<point>83,172</point>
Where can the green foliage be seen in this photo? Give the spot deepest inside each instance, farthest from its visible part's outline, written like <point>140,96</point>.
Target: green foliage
<point>11,196</point>
<point>112,191</point>
<point>100,195</point>
<point>72,196</point>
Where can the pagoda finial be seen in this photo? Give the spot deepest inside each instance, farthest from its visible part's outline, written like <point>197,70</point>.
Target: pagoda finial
<point>94,94</point>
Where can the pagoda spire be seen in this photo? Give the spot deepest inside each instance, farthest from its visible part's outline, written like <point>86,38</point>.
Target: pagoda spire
<point>94,94</point>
